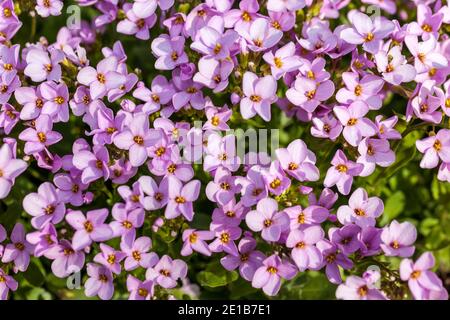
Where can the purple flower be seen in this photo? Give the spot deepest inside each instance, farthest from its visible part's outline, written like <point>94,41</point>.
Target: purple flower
<point>213,74</point>
<point>170,52</point>
<point>261,35</point>
<point>133,24</point>
<point>56,97</point>
<point>94,165</point>
<point>398,239</point>
<point>156,197</point>
<point>427,25</point>
<point>221,151</point>
<point>363,90</point>
<point>367,31</point>
<point>230,214</point>
<point>89,228</point>
<point>10,168</point>
<point>284,60</point>
<point>356,288</point>
<point>361,210</point>
<point>41,136</point>
<point>223,188</point>
<point>160,94</point>
<point>248,261</point>
<point>423,283</point>
<point>326,127</point>
<point>194,240</point>
<point>373,152</point>
<point>137,138</point>
<point>393,66</point>
<point>268,276</point>
<point>6,283</point>
<point>41,67</point>
<point>9,117</point>
<point>102,79</point>
<point>346,238</point>
<point>126,220</point>
<point>100,282</point>
<point>225,237</point>
<point>342,172</point>
<point>435,148</point>
<point>259,93</point>
<point>332,259</point>
<point>253,186</point>
<point>304,252</point>
<point>45,206</point>
<point>303,218</point>
<point>66,260</point>
<point>139,290</point>
<point>137,252</point>
<point>181,198</point>
<point>19,250</point>
<point>425,53</point>
<point>425,105</point>
<point>167,271</point>
<point>43,240</point>
<point>31,100</point>
<point>370,239</point>
<point>46,8</point>
<point>110,258</point>
<point>308,94</point>
<point>298,161</point>
<point>386,128</point>
<point>268,220</point>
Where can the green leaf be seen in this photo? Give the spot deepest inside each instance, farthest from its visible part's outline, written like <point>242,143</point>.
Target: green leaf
<point>34,275</point>
<point>216,276</point>
<point>393,206</point>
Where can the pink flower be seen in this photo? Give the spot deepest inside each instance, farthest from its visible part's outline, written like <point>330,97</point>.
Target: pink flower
<point>10,168</point>
<point>259,94</point>
<point>284,60</point>
<point>194,240</point>
<point>364,90</point>
<point>342,172</point>
<point>100,282</point>
<point>261,35</point>
<point>167,271</point>
<point>181,198</point>
<point>308,94</point>
<point>435,148</point>
<point>170,52</point>
<point>304,252</point>
<point>398,239</point>
<point>41,136</point>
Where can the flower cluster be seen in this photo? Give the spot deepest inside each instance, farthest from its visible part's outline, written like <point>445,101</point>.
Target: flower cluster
<point>137,167</point>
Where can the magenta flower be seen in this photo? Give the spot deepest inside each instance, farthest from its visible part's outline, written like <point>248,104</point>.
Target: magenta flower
<point>139,290</point>
<point>94,165</point>
<point>298,161</point>
<point>248,261</point>
<point>367,31</point>
<point>398,239</point>
<point>284,60</point>
<point>194,240</point>
<point>361,210</point>
<point>137,252</point>
<point>45,206</point>
<point>100,282</point>
<point>89,228</point>
<point>181,198</point>
<point>41,136</point>
<point>268,220</point>
<point>268,276</point>
<point>423,283</point>
<point>10,168</point>
<point>259,93</point>
<point>137,138</point>
<point>342,172</point>
<point>102,79</point>
<point>435,148</point>
<point>304,252</point>
<point>170,52</point>
<point>19,250</point>
<point>167,271</point>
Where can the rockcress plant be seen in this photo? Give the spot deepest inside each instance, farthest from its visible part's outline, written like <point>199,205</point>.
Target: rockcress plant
<point>139,166</point>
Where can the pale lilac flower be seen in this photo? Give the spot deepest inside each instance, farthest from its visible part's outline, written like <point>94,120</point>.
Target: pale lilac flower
<point>248,261</point>
<point>283,60</point>
<point>217,118</point>
<point>45,206</point>
<point>133,24</point>
<point>43,240</point>
<point>139,290</point>
<point>361,209</point>
<point>268,276</point>
<point>89,228</point>
<point>102,79</point>
<point>41,136</point>
<point>421,280</point>
<point>259,93</point>
<point>346,238</point>
<point>426,55</point>
<point>230,214</point>
<point>374,152</point>
<point>386,128</point>
<point>7,283</point>
<point>342,172</point>
<point>425,105</point>
<point>253,186</point>
<point>155,197</point>
<point>221,151</point>
<point>242,18</point>
<point>213,74</point>
<point>8,86</point>
<point>304,252</point>
<point>435,148</point>
<point>31,100</point>
<point>308,94</point>
<point>326,127</point>
<point>126,220</point>
<point>282,5</point>
<point>41,67</point>
<point>181,198</point>
<point>317,37</point>
<point>332,259</point>
<point>428,24</point>
<point>100,282</point>
<point>275,178</point>
<point>110,258</point>
<point>298,161</point>
<point>19,250</point>
<point>368,31</point>
<point>137,252</point>
<point>10,168</point>
<point>261,35</point>
<point>170,52</point>
<point>225,237</point>
<point>94,165</point>
<point>267,219</point>
<point>167,271</point>
<point>398,239</point>
<point>56,98</point>
<point>356,126</point>
<point>301,218</point>
<point>160,94</point>
<point>46,8</point>
<point>223,188</point>
<point>194,240</point>
<point>283,21</point>
<point>137,138</point>
<point>393,66</point>
<point>356,288</point>
<point>364,90</point>
<point>9,117</point>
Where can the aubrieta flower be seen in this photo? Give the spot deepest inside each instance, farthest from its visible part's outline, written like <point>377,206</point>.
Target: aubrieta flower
<point>180,198</point>
<point>139,290</point>
<point>342,172</point>
<point>19,250</point>
<point>259,94</point>
<point>10,168</point>
<point>41,67</point>
<point>169,51</point>
<point>398,239</point>
<point>94,165</point>
<point>304,252</point>
<point>356,288</point>
<point>194,240</point>
<point>46,8</point>
<point>435,148</point>
<point>283,60</point>
<point>66,260</point>
<point>100,282</point>
<point>7,283</point>
<point>167,271</point>
<point>137,251</point>
<point>364,90</point>
<point>261,35</point>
